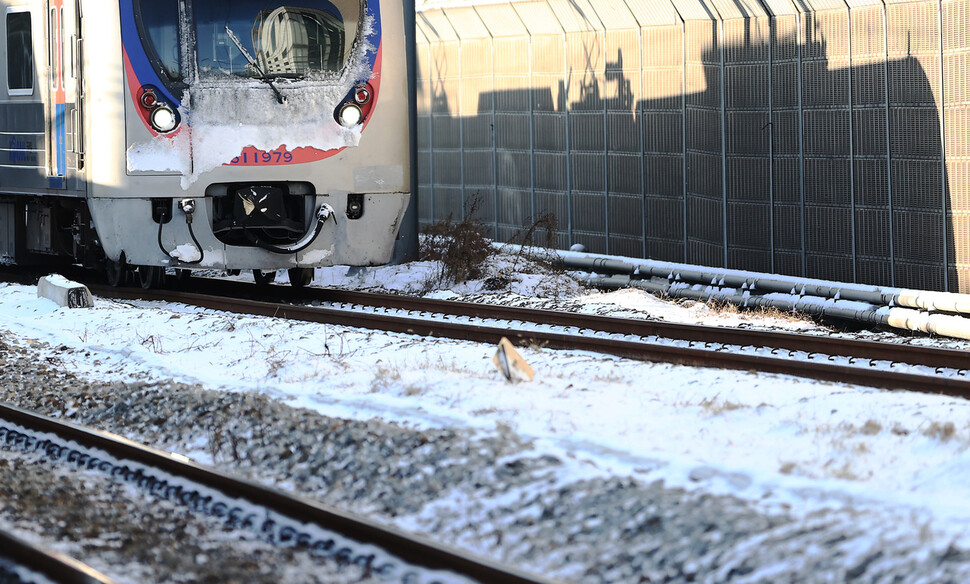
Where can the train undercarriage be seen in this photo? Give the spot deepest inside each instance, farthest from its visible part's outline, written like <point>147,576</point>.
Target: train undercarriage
<point>58,233</point>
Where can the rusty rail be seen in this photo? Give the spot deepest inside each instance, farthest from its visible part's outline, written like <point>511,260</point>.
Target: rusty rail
<point>132,460</point>
<point>656,352</point>
<point>54,566</point>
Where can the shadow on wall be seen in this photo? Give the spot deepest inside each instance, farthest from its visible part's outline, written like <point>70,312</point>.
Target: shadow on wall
<point>783,156</point>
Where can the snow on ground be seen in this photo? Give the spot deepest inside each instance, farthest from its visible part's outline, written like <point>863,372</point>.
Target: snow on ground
<point>783,440</point>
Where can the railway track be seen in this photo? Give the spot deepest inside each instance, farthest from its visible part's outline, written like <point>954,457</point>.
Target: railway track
<point>277,517</point>
<point>22,562</point>
<point>944,371</point>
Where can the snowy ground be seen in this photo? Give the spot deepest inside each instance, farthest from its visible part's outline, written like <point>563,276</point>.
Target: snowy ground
<point>780,441</point>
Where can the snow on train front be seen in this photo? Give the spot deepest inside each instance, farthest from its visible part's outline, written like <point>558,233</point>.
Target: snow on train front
<point>258,134</point>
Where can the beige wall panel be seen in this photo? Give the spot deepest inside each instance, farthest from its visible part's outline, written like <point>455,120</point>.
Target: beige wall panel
<point>476,94</point>
<point>825,34</point>
<point>653,12</point>
<point>701,48</point>
<point>868,33</point>
<point>476,57</point>
<point>575,15</point>
<point>661,84</point>
<point>780,7</point>
<point>614,15</point>
<point>419,35</point>
<point>512,55</point>
<point>663,67</point>
<point>467,24</point>
<point>727,9</point>
<point>623,52</point>
<point>623,89</point>
<point>423,90</point>
<point>917,170</point>
<point>445,76</point>
<point>585,91</point>
<point>810,6</point>
<point>960,260</point>
<point>425,29</point>
<point>663,46</point>
<point>704,127</point>
<point>502,20</point>
<point>512,93</point>
<point>914,46</point>
<point>956,68</point>
<point>695,10</point>
<point>870,164</point>
<point>538,17</point>
<point>749,8</point>
<point>548,72</point>
<point>435,25</point>
<point>548,54</point>
<point>746,40</point>
<point>748,187</point>
<point>584,51</point>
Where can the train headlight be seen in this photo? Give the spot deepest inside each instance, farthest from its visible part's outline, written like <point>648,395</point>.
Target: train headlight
<point>163,119</point>
<point>350,115</point>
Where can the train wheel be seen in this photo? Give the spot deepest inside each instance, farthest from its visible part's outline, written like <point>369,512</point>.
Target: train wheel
<point>264,278</point>
<point>116,272</point>
<point>300,277</point>
<point>151,277</point>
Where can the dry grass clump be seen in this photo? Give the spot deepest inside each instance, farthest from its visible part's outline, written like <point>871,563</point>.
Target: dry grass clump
<point>726,307</point>
<point>385,376</point>
<point>942,432</point>
<point>461,249</point>
<point>716,405</point>
<point>538,243</point>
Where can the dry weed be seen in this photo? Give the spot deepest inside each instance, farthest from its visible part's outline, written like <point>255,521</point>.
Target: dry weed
<point>461,250</point>
<point>942,432</point>
<point>384,378</point>
<point>716,406</point>
<point>843,472</point>
<point>414,390</point>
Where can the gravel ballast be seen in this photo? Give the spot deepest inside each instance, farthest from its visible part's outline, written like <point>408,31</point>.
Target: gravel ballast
<point>487,492</point>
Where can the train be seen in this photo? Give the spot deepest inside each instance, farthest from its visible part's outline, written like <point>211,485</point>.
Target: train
<point>142,136</point>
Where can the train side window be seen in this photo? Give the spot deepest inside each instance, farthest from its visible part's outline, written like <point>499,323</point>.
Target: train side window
<point>20,54</point>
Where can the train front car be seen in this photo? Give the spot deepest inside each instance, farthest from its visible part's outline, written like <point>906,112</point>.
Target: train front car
<point>258,134</point>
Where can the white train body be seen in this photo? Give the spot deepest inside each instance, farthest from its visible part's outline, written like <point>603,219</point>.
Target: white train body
<point>251,134</point>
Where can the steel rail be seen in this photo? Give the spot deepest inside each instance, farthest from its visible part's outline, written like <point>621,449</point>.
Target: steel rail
<point>409,548</point>
<point>911,354</point>
<point>54,566</point>
<point>726,359</point>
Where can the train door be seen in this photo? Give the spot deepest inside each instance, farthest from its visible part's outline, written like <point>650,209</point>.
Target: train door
<point>66,90</point>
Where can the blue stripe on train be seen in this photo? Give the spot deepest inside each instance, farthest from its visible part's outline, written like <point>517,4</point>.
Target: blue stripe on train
<point>56,180</point>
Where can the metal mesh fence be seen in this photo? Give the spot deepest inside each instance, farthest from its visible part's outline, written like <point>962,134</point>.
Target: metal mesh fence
<point>825,138</point>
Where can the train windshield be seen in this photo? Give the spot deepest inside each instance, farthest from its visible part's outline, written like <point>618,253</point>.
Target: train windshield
<point>260,39</point>
<point>158,21</point>
<point>273,38</point>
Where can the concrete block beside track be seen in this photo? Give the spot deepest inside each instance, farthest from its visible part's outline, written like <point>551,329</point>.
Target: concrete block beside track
<point>64,292</point>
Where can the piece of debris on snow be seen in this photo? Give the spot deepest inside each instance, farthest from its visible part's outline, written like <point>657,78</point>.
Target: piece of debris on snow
<point>511,364</point>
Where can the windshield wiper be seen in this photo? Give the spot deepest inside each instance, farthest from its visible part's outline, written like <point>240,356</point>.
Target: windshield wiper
<point>252,61</point>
